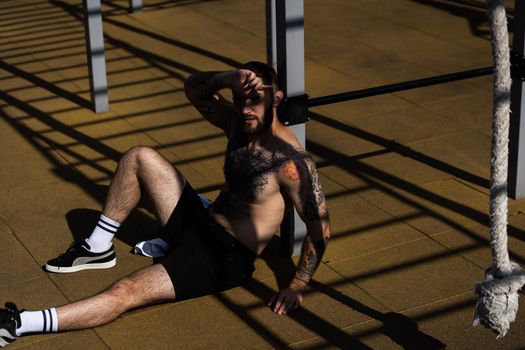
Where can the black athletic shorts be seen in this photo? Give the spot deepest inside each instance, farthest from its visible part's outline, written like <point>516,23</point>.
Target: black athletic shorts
<point>204,258</point>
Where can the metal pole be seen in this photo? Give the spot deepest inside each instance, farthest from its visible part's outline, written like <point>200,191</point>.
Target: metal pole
<point>387,89</point>
<point>271,38</point>
<point>95,55</point>
<point>516,176</point>
<point>289,40</point>
<point>135,5</point>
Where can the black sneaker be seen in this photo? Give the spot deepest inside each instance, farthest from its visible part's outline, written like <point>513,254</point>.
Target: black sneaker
<point>78,257</point>
<point>9,322</point>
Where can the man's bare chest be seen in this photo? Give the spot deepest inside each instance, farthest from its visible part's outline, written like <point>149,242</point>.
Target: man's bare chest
<point>254,170</point>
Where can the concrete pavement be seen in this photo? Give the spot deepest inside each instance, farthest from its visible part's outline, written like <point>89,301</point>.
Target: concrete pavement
<point>405,174</point>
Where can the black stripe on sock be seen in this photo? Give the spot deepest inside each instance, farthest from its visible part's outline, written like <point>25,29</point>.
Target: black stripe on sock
<point>107,223</point>
<point>106,229</point>
<point>50,321</point>
<point>45,321</point>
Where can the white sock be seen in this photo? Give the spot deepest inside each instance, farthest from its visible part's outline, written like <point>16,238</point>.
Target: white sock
<point>100,239</point>
<point>43,321</point>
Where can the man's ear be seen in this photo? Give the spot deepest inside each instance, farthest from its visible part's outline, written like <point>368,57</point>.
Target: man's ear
<point>277,98</point>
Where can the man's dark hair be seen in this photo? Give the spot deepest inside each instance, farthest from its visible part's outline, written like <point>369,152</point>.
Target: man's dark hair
<point>264,71</point>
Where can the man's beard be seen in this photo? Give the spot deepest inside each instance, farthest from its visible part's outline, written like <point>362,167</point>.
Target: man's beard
<point>261,126</point>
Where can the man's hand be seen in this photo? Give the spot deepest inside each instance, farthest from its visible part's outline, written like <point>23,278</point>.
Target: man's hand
<point>245,83</point>
<point>287,299</point>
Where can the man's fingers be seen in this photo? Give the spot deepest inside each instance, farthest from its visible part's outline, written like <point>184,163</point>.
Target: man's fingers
<point>291,305</point>
<point>266,87</point>
<point>278,304</point>
<point>270,303</point>
<point>282,307</point>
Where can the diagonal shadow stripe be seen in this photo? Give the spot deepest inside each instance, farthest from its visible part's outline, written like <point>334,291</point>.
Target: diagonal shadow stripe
<point>44,84</point>
<point>401,150</point>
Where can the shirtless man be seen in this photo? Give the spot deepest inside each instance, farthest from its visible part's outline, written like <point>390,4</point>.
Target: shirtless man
<point>207,249</point>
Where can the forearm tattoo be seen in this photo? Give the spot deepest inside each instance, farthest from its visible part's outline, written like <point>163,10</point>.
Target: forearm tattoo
<point>200,91</point>
<point>311,255</point>
<point>315,206</point>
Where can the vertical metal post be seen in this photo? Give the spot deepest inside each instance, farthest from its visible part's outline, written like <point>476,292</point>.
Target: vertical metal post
<point>271,32</point>
<point>135,5</point>
<point>516,176</point>
<point>95,55</point>
<point>289,44</point>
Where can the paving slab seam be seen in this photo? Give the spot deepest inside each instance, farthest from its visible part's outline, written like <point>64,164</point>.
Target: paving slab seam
<point>439,100</point>
<point>359,256</point>
<point>422,207</point>
<point>359,324</point>
<point>228,24</point>
<point>19,281</point>
<point>404,265</point>
<point>429,33</point>
<point>51,336</point>
<point>13,232</point>
<point>378,183</point>
<point>429,236</point>
<point>358,287</point>
<point>361,86</point>
<point>415,29</point>
<point>437,301</point>
<point>469,185</point>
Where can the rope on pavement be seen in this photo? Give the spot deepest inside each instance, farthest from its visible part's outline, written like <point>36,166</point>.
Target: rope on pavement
<point>498,295</point>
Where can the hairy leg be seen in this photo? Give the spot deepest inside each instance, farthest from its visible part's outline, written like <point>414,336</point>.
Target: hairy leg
<point>143,169</point>
<point>146,286</point>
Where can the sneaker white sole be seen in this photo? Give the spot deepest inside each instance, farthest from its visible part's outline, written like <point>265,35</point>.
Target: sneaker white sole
<point>69,269</point>
<point>5,338</point>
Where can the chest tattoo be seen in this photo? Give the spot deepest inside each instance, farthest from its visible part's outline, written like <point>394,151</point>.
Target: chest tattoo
<point>249,170</point>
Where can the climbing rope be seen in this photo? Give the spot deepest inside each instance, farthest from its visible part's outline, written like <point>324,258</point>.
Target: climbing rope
<point>498,295</point>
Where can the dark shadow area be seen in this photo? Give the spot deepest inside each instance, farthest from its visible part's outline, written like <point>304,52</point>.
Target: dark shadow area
<point>332,334</point>
<point>398,327</point>
<point>401,329</point>
<point>81,222</point>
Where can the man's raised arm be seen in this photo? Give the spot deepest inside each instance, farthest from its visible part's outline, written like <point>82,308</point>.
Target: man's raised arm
<point>202,90</point>
<point>301,181</point>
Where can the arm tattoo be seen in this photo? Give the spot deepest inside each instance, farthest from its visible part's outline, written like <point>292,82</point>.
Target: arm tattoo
<point>315,206</point>
<point>311,255</point>
<point>200,91</point>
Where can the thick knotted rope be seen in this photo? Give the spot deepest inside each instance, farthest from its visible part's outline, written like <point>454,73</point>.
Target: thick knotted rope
<point>498,294</point>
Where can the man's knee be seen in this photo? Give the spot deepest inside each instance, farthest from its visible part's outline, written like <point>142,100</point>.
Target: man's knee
<point>140,154</point>
<point>141,157</point>
<point>123,293</point>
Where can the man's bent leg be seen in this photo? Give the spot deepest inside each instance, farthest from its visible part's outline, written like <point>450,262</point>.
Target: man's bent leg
<point>146,286</point>
<point>141,170</point>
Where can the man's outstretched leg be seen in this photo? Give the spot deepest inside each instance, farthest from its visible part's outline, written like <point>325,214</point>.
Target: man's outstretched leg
<point>141,170</point>
<point>146,286</point>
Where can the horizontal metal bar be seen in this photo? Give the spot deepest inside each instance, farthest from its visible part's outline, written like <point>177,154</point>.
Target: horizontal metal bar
<point>386,89</point>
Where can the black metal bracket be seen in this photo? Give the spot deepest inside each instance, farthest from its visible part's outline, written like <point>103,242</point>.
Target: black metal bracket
<point>517,66</point>
<point>293,110</point>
